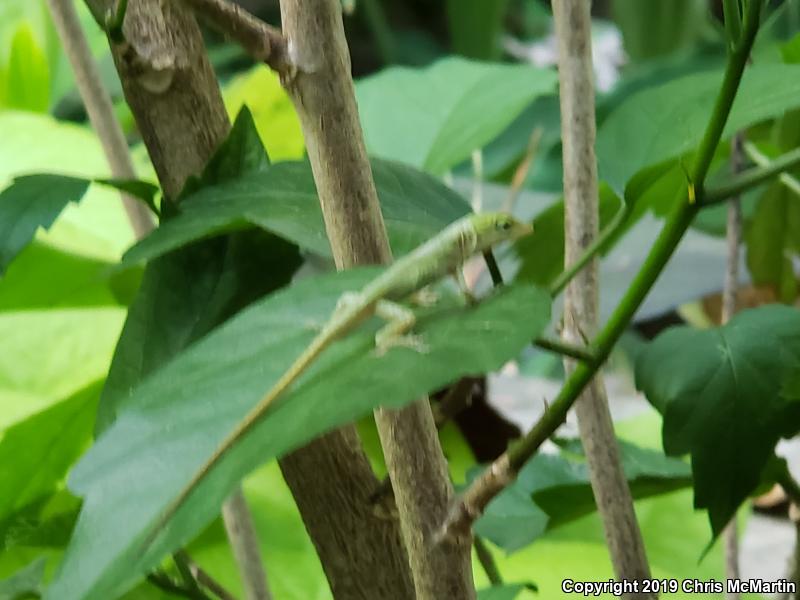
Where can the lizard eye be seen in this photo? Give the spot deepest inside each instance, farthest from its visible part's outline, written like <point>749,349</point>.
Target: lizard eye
<point>504,224</point>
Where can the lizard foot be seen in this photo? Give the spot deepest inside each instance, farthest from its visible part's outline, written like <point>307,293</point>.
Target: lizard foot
<point>413,342</point>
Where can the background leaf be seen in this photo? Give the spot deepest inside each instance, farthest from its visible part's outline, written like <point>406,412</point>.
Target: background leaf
<point>663,122</point>
<point>36,453</point>
<point>24,584</point>
<point>772,238</point>
<point>186,408</point>
<point>434,118</point>
<point>28,75</point>
<point>552,490</point>
<point>31,202</point>
<point>718,390</point>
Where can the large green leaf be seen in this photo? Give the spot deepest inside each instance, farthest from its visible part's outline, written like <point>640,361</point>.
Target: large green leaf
<point>174,420</point>
<point>772,238</point>
<point>552,490</point>
<point>32,202</point>
<point>185,295</point>
<point>189,292</point>
<point>719,392</point>
<point>663,122</point>
<point>433,118</point>
<point>283,200</point>
<point>36,453</point>
<point>50,355</point>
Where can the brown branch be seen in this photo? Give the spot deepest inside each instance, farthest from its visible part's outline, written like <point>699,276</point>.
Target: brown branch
<point>609,485</point>
<point>729,291</point>
<point>99,108</point>
<point>261,41</point>
<point>244,543</point>
<point>325,101</point>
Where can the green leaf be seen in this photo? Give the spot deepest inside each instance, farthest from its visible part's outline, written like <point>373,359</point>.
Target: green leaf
<point>659,27</point>
<point>28,76</point>
<point>434,118</point>
<point>52,354</point>
<point>136,188</point>
<point>178,416</point>
<point>552,490</point>
<point>31,202</point>
<point>476,26</point>
<point>98,227</point>
<point>283,200</point>
<point>719,393</point>
<point>46,523</point>
<point>186,294</point>
<point>664,122</point>
<point>24,584</point>
<point>42,277</point>
<point>501,592</point>
<point>240,154</point>
<point>36,453</point>
<point>773,237</point>
<point>261,91</point>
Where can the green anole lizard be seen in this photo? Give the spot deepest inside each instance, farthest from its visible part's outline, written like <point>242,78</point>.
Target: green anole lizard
<point>441,255</point>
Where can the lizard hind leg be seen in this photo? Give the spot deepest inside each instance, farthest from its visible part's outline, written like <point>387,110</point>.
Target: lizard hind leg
<point>395,333</point>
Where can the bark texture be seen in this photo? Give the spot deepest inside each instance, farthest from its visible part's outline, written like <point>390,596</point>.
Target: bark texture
<point>610,487</point>
<point>99,108</point>
<point>173,93</point>
<point>322,91</point>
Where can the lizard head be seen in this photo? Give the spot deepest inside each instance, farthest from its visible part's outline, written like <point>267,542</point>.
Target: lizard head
<point>492,228</point>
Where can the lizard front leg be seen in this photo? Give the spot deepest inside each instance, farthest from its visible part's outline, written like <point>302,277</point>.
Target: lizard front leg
<point>399,321</point>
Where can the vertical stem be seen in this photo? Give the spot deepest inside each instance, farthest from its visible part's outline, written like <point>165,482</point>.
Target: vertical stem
<point>609,485</point>
<point>98,106</point>
<point>731,284</point>
<point>244,543</point>
<point>323,95</point>
<point>503,470</point>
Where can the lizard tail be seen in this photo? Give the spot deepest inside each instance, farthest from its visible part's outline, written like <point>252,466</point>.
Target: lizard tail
<point>244,426</point>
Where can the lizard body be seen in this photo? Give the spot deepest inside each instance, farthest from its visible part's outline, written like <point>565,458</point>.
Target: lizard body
<point>441,255</point>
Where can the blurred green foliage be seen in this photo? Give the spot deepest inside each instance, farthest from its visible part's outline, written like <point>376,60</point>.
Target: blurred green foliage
<point>63,300</point>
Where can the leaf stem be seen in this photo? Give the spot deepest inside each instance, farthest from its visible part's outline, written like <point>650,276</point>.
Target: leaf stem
<point>598,244</point>
<point>762,160</point>
<point>752,177</point>
<point>504,469</point>
<point>565,349</point>
<point>487,561</point>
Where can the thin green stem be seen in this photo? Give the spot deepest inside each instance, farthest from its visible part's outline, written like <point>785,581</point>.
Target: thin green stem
<point>660,253</point>
<point>731,11</point>
<point>762,160</point>
<point>598,244</point>
<point>487,561</point>
<point>565,349</point>
<point>751,178</point>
